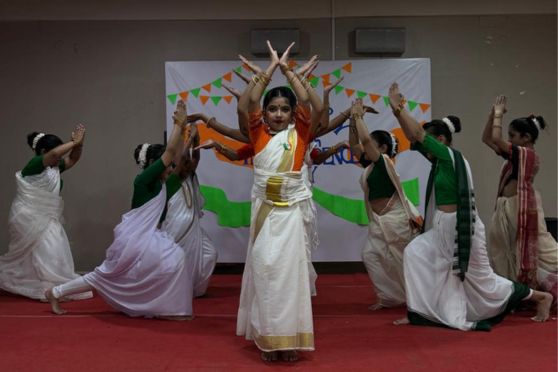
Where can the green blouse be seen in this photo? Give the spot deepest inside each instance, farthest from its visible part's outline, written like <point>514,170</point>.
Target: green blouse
<point>379,183</point>
<point>445,180</point>
<point>35,166</point>
<point>147,185</point>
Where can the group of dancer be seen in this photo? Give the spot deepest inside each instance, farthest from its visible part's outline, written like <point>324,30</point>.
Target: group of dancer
<point>161,257</point>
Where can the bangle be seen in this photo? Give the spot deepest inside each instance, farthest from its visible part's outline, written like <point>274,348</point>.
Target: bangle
<point>497,125</point>
<point>255,79</point>
<point>498,116</point>
<point>358,116</point>
<point>207,124</point>
<point>399,108</point>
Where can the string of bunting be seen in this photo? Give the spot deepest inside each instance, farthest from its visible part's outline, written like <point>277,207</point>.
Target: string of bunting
<point>313,79</point>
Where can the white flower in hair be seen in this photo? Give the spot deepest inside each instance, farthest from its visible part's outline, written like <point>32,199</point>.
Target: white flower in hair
<point>393,145</point>
<point>142,157</point>
<point>450,125</point>
<point>36,140</point>
<point>536,122</point>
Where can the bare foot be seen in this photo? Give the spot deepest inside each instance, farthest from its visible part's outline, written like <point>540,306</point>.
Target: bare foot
<point>376,306</point>
<point>289,355</point>
<point>269,356</point>
<point>176,317</point>
<point>56,309</point>
<point>401,321</point>
<point>543,308</point>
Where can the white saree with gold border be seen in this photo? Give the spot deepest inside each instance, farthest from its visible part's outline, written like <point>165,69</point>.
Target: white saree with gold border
<point>275,302</point>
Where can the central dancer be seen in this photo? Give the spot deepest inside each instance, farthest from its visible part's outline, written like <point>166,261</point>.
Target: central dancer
<point>275,302</point>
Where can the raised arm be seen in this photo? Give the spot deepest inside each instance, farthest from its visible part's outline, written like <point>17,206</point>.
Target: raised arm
<point>305,93</point>
<point>369,146</point>
<point>225,130</point>
<point>52,158</point>
<point>219,147</point>
<point>245,105</point>
<point>411,128</point>
<point>501,145</point>
<point>487,132</point>
<point>324,155</point>
<point>354,144</point>
<point>189,158</point>
<point>175,143</point>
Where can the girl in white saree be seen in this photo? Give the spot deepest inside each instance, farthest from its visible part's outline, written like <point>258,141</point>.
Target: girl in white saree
<point>520,247</point>
<point>275,307</point>
<point>448,278</point>
<point>39,254</point>
<point>394,221</point>
<point>144,273</point>
<point>183,219</point>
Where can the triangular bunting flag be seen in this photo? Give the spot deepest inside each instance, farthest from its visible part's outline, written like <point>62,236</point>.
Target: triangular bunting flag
<point>424,107</point>
<point>228,77</point>
<point>184,95</point>
<point>172,98</point>
<point>361,94</point>
<point>386,100</point>
<point>292,63</point>
<point>216,99</point>
<point>337,73</point>
<point>204,99</point>
<point>374,97</point>
<point>228,99</point>
<point>218,83</point>
<point>207,87</point>
<point>348,67</point>
<point>196,92</point>
<point>245,67</point>
<point>325,80</point>
<point>238,69</point>
<point>412,105</point>
<point>314,81</point>
<point>349,92</point>
<point>339,89</point>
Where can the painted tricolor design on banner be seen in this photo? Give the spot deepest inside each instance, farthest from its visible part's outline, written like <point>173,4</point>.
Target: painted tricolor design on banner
<point>342,217</point>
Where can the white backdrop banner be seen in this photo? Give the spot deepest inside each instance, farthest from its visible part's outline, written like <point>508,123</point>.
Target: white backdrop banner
<point>342,216</point>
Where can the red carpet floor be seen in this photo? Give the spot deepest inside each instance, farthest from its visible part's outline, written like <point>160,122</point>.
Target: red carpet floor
<point>93,337</point>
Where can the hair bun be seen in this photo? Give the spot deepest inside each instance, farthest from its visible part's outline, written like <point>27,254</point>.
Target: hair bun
<point>456,122</point>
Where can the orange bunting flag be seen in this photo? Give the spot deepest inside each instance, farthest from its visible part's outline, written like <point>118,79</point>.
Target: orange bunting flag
<point>349,92</point>
<point>424,107</point>
<point>374,97</point>
<point>228,77</point>
<point>204,99</point>
<point>183,95</point>
<point>228,99</point>
<point>404,143</point>
<point>348,67</point>
<point>325,80</point>
<point>292,63</point>
<point>207,87</point>
<point>246,67</point>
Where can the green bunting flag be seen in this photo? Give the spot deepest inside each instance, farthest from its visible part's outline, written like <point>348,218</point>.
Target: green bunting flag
<point>337,73</point>
<point>196,92</point>
<point>339,89</point>
<point>314,81</point>
<point>361,94</point>
<point>216,99</point>
<point>238,69</point>
<point>218,83</point>
<point>172,98</point>
<point>412,105</point>
<point>386,100</point>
